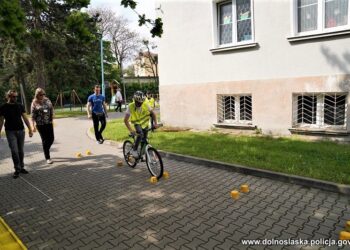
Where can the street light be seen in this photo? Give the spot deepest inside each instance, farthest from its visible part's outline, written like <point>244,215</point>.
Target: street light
<point>102,71</point>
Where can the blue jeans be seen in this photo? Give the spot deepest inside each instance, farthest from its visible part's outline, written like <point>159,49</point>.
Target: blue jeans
<point>15,140</point>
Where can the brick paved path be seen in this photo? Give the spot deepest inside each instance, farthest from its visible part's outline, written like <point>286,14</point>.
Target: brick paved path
<point>89,203</point>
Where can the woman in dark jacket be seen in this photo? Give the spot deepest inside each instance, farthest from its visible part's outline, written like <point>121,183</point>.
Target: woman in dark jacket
<point>42,116</point>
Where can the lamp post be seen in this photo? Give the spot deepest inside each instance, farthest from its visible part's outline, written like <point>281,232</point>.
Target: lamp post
<point>102,71</point>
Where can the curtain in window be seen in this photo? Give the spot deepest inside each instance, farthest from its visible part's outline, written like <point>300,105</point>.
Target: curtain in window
<point>307,15</point>
<point>225,23</point>
<point>244,21</point>
<point>336,13</point>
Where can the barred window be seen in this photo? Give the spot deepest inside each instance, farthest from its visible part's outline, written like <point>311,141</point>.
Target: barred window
<point>229,108</point>
<point>320,110</point>
<point>307,109</point>
<point>245,108</point>
<point>334,109</point>
<point>234,109</point>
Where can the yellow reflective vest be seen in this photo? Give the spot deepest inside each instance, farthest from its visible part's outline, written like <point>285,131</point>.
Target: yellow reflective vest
<point>150,102</point>
<point>139,116</point>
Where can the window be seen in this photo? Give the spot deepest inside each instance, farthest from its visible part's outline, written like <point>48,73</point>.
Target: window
<point>318,16</point>
<point>234,22</point>
<point>321,110</point>
<point>234,109</point>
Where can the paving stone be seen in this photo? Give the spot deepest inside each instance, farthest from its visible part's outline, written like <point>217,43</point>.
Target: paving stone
<point>228,244</point>
<point>96,205</point>
<point>195,243</point>
<point>276,229</point>
<point>261,229</point>
<point>308,230</point>
<point>211,244</point>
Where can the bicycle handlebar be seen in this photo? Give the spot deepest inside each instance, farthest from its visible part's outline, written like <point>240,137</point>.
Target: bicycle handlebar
<point>149,129</point>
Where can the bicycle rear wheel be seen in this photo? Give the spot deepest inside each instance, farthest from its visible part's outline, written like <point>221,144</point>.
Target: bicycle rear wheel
<point>154,162</point>
<point>129,159</point>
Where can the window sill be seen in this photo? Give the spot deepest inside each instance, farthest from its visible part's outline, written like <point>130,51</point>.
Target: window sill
<point>234,47</point>
<point>235,126</point>
<point>312,131</point>
<point>318,35</point>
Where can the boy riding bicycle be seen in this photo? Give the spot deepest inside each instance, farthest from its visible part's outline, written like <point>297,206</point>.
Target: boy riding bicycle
<point>139,113</point>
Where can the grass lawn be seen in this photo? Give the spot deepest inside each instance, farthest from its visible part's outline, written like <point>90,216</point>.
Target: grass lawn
<point>321,160</point>
<point>67,113</point>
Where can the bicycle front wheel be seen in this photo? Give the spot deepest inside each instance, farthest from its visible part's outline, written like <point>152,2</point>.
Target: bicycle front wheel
<point>129,159</point>
<point>154,162</point>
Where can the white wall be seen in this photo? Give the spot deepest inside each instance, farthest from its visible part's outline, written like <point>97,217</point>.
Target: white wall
<point>184,55</point>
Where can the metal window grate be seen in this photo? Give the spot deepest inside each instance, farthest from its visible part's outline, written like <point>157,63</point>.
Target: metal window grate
<point>334,109</point>
<point>245,108</point>
<point>234,109</point>
<point>307,107</point>
<point>320,110</point>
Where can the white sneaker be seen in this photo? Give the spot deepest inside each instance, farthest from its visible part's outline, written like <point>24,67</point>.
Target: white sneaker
<point>49,161</point>
<point>134,153</point>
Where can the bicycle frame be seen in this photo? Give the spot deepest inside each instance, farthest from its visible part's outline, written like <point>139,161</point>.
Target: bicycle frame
<point>144,147</point>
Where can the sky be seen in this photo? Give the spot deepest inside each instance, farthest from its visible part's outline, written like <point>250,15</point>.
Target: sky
<point>143,7</point>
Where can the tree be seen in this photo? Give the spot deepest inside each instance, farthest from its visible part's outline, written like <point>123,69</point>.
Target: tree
<point>157,24</point>
<point>52,26</point>
<point>151,62</point>
<point>46,43</point>
<point>12,19</point>
<point>124,42</point>
<point>105,19</point>
<point>129,71</point>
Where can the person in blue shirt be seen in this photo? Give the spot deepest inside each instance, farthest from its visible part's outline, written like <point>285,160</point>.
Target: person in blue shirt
<point>97,110</point>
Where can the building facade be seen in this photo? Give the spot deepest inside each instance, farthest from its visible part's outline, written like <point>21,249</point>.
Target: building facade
<point>280,66</point>
<point>146,65</point>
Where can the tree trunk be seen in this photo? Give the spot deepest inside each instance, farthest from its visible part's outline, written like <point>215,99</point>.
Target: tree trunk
<point>40,68</point>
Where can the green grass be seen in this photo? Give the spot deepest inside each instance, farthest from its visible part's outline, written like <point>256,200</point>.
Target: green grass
<point>67,113</point>
<point>321,160</point>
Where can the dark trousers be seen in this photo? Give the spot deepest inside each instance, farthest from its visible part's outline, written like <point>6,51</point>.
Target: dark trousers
<point>47,138</point>
<point>119,106</point>
<point>15,140</point>
<point>97,119</point>
<point>141,136</point>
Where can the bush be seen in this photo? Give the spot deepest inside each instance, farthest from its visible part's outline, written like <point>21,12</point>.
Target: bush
<point>131,88</point>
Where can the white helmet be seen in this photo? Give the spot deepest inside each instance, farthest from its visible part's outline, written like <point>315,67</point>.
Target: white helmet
<point>139,97</point>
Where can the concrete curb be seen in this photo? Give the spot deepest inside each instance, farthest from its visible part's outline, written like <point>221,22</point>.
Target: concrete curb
<point>303,181</point>
<point>107,142</point>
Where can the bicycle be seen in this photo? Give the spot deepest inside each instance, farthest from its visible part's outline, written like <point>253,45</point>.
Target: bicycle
<point>153,159</point>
